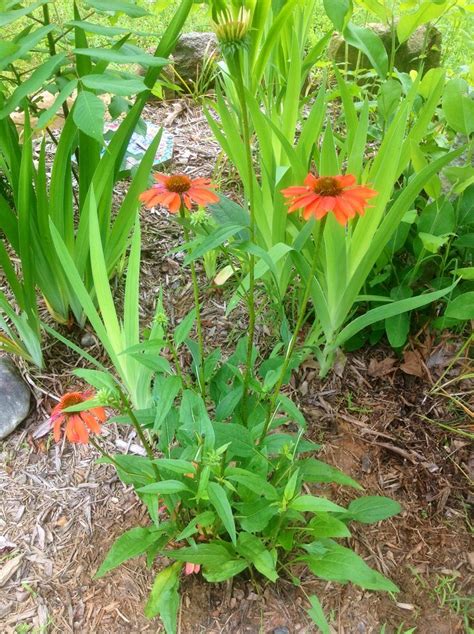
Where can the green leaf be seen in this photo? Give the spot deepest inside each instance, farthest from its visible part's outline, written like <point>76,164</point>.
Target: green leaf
<point>7,17</point>
<point>313,470</point>
<point>254,551</point>
<point>11,51</point>
<point>211,554</point>
<point>431,242</point>
<point>183,329</point>
<point>166,390</point>
<point>164,487</point>
<point>47,115</point>
<point>337,563</point>
<point>339,12</point>
<point>370,44</point>
<point>252,481</point>
<point>218,499</point>
<point>398,326</point>
<point>462,307</point>
<point>201,245</point>
<point>131,544</point>
<point>203,519</point>
<point>325,525</point>
<point>89,114</point>
<point>317,615</point>
<point>426,12</point>
<point>121,56</point>
<point>226,571</point>
<point>164,597</point>
<point>35,81</point>
<point>372,509</point>
<point>113,83</point>
<point>313,504</point>
<point>112,6</point>
<point>239,437</point>
<point>458,106</point>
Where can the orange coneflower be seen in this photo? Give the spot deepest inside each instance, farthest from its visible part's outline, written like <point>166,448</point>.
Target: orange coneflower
<point>177,190</point>
<point>338,194</point>
<point>78,424</point>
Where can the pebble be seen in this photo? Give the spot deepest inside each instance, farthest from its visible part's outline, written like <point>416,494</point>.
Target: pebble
<point>281,630</point>
<point>87,340</point>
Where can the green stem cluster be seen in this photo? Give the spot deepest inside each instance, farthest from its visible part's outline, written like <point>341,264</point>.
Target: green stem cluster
<point>291,346</point>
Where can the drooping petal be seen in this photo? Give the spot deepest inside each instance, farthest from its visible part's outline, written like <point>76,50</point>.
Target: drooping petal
<point>174,204</point>
<point>347,180</point>
<point>99,412</point>
<point>57,428</point>
<point>311,181</point>
<point>91,422</point>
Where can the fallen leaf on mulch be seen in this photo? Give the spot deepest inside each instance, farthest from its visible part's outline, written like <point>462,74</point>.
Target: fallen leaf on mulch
<point>381,368</point>
<point>413,364</point>
<point>9,569</point>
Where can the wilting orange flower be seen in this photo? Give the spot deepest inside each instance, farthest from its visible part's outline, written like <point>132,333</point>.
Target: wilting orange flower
<point>190,568</point>
<point>338,194</point>
<point>77,424</point>
<point>178,189</point>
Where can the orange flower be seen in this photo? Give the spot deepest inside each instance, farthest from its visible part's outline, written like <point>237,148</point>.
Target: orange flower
<point>177,190</point>
<point>338,194</point>
<point>78,424</point>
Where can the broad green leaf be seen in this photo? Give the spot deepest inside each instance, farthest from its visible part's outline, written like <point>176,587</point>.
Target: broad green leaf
<point>47,115</point>
<point>313,470</point>
<point>34,82</point>
<point>164,597</point>
<point>372,508</point>
<point>23,46</point>
<point>252,481</point>
<point>226,571</point>
<point>426,12</point>
<point>370,44</point>
<point>219,500</point>
<point>113,83</point>
<point>203,519</point>
<point>112,6</point>
<point>458,106</point>
<point>325,525</point>
<point>239,437</point>
<point>337,563</point>
<point>89,115</point>
<point>255,552</point>
<point>339,12</point>
<point>431,242</point>
<point>164,487</point>
<point>212,554</point>
<point>131,544</point>
<point>311,504</point>
<point>165,391</point>
<point>462,307</point>
<point>121,56</point>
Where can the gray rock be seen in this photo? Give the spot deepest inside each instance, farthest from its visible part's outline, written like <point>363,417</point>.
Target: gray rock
<point>88,340</point>
<point>14,397</point>
<point>281,630</point>
<point>191,52</point>
<point>407,56</point>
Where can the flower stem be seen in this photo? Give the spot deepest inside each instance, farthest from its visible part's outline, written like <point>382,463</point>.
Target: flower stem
<point>140,434</point>
<point>291,346</point>
<point>102,451</point>
<point>201,374</point>
<point>237,68</point>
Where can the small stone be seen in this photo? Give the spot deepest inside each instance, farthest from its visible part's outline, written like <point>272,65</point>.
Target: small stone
<point>14,397</point>
<point>87,340</point>
<point>191,52</point>
<point>281,630</point>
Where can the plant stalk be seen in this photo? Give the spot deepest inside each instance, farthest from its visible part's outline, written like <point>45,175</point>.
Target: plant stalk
<point>201,374</point>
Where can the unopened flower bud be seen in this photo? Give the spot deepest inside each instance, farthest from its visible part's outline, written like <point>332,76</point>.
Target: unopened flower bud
<point>232,29</point>
<point>199,217</point>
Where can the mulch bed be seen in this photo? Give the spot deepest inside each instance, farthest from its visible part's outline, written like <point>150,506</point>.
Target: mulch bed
<point>374,417</point>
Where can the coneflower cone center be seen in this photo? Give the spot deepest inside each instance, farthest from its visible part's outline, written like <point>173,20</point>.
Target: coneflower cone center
<point>179,184</point>
<point>71,399</point>
<point>327,186</point>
